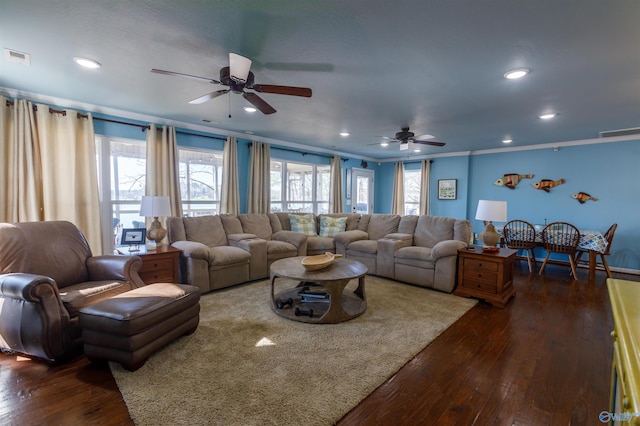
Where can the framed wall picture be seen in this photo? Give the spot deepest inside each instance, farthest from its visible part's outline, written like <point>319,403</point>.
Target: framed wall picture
<point>133,236</point>
<point>447,189</point>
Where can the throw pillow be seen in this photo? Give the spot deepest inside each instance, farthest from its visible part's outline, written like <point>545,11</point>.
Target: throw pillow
<point>304,223</point>
<point>330,226</point>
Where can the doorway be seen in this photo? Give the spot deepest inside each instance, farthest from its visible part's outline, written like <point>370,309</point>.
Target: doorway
<point>362,191</point>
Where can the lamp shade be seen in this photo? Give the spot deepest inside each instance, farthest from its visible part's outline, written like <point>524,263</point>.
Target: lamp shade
<point>492,211</point>
<point>155,206</point>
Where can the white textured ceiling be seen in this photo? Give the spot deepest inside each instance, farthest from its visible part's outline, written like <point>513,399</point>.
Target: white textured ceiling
<point>374,66</point>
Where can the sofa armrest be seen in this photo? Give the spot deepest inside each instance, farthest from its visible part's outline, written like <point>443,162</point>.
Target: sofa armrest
<point>257,248</point>
<point>193,249</point>
<point>115,267</point>
<point>446,248</point>
<point>26,287</point>
<point>387,246</point>
<point>298,239</point>
<point>343,239</point>
<point>235,238</point>
<point>400,237</point>
<point>39,321</point>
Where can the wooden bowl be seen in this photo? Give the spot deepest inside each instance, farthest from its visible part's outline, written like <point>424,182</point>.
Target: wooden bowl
<point>313,263</point>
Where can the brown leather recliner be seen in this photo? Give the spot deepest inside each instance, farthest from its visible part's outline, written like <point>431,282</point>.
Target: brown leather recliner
<point>47,274</point>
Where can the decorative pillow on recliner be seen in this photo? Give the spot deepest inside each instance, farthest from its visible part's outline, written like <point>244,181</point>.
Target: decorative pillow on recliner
<point>330,226</point>
<point>304,223</point>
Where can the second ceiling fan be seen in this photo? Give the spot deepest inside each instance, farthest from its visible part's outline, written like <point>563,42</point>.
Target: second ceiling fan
<point>238,77</point>
<point>405,136</point>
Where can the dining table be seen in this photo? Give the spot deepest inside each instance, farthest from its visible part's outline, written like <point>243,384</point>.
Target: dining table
<point>591,241</point>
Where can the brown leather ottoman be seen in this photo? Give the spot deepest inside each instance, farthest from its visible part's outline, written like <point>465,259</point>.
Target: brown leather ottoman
<point>131,326</point>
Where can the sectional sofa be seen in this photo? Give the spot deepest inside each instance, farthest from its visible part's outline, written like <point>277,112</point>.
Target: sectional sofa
<point>224,250</point>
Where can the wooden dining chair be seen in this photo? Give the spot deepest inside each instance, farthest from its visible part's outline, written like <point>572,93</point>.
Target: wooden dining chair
<point>562,238</point>
<point>521,235</point>
<point>609,237</point>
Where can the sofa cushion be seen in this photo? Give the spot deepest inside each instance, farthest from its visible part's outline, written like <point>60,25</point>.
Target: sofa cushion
<point>256,224</point>
<point>353,219</point>
<point>382,224</point>
<point>207,230</point>
<point>363,246</point>
<point>280,250</point>
<point>231,224</point>
<point>407,224</point>
<point>320,245</point>
<point>413,252</point>
<point>305,223</point>
<point>330,226</point>
<point>227,255</point>
<point>430,230</point>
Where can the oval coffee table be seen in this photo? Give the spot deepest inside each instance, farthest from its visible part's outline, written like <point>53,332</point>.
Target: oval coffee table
<point>324,289</point>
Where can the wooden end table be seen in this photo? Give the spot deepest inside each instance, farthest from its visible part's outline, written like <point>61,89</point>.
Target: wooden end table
<point>159,265</point>
<point>486,275</point>
<point>338,307</point>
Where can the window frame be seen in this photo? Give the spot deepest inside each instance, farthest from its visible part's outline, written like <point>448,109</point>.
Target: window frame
<point>285,203</point>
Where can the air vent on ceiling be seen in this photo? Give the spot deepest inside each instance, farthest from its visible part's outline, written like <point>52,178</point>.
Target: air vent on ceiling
<point>17,57</point>
<point>622,132</point>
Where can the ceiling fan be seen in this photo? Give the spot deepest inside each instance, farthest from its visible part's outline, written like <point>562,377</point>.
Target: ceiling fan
<point>405,136</point>
<point>238,77</point>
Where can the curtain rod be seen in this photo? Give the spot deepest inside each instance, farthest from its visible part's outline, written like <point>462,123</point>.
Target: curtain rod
<point>303,153</point>
<point>143,127</point>
<point>418,161</point>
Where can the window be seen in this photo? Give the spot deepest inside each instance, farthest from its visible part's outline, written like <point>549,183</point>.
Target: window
<point>200,181</point>
<point>412,184</point>
<point>299,187</point>
<point>127,175</point>
<point>122,167</point>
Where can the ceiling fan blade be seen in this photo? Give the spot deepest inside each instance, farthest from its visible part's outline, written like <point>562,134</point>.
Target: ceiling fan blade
<point>179,74</point>
<point>423,137</point>
<point>208,96</point>
<point>259,103</point>
<point>434,143</point>
<point>283,90</point>
<point>239,67</point>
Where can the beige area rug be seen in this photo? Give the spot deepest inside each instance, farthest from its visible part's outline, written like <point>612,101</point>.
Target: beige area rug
<point>245,365</point>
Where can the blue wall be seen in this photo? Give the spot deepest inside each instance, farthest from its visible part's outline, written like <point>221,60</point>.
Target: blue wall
<point>607,171</point>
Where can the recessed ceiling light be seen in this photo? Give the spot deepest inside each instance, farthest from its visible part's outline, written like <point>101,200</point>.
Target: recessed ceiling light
<point>547,116</point>
<point>507,140</point>
<point>87,63</point>
<point>417,150</point>
<point>249,132</point>
<point>384,144</point>
<point>516,73</point>
<point>250,109</point>
<point>344,134</point>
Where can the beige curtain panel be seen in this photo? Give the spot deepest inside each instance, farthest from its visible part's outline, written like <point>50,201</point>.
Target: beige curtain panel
<point>259,199</point>
<point>424,187</point>
<point>163,168</point>
<point>397,205</point>
<point>335,192</point>
<point>230,197</point>
<point>48,158</point>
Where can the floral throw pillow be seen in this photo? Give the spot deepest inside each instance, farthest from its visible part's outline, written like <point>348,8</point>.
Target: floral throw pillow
<point>304,223</point>
<point>330,226</point>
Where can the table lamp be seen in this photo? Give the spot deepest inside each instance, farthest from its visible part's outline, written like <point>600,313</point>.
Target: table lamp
<point>489,211</point>
<point>155,206</point>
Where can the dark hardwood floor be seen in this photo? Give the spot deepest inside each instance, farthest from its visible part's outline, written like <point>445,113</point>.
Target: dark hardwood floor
<point>543,360</point>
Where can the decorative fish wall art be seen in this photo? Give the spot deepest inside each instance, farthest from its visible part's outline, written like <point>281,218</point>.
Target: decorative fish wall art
<point>547,184</point>
<point>510,180</point>
<point>583,196</point>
